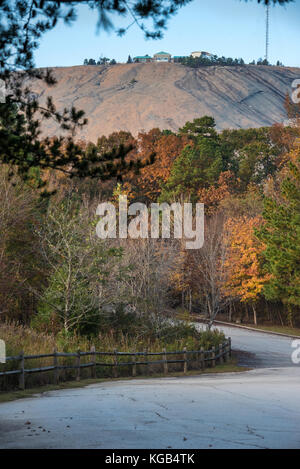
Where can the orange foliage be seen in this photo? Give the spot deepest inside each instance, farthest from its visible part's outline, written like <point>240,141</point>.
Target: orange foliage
<point>284,137</point>
<point>213,195</point>
<point>244,278</point>
<point>165,148</point>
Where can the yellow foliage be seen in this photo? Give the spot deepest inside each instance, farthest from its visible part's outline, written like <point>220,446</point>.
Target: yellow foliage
<point>244,277</point>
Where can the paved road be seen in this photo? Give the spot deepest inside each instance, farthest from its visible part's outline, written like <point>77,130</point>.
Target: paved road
<point>259,349</point>
<point>256,409</point>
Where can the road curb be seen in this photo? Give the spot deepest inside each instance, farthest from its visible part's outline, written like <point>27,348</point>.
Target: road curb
<point>263,331</point>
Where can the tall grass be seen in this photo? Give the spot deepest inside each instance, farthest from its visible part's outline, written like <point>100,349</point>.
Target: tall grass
<point>23,338</point>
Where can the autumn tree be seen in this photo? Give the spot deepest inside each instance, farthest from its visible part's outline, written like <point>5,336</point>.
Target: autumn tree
<point>216,194</point>
<point>246,204</point>
<point>244,277</point>
<point>292,108</point>
<point>283,137</point>
<point>151,178</point>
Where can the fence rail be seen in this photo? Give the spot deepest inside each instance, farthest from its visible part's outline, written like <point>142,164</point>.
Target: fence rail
<point>214,356</point>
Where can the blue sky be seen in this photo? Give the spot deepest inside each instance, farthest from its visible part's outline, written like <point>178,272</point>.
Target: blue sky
<point>232,28</point>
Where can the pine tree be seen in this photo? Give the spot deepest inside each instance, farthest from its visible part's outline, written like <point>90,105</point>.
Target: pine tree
<point>281,234</point>
<point>199,164</point>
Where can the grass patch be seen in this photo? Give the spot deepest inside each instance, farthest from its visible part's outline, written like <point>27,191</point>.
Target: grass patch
<point>173,337</point>
<point>229,367</point>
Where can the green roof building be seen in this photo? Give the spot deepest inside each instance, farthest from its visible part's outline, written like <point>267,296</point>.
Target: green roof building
<point>162,57</point>
<point>142,58</point>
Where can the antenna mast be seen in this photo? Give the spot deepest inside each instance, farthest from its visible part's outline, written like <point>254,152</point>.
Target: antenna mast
<point>267,31</point>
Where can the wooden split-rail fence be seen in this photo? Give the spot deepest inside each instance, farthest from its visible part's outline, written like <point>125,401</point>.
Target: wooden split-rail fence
<point>217,355</point>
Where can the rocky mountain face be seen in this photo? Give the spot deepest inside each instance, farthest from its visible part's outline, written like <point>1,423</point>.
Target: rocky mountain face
<point>135,97</point>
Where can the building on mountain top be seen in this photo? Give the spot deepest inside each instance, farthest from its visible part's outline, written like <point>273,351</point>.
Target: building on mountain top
<point>201,54</point>
<point>166,57</point>
<point>142,58</point>
<point>162,57</point>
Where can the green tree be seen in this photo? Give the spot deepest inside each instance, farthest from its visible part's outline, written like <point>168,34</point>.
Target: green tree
<point>281,235</point>
<point>200,163</point>
<point>103,61</point>
<point>256,162</point>
<point>79,266</point>
<point>196,167</point>
<point>204,126</point>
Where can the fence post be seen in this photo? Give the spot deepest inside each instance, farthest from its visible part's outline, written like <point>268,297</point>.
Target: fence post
<point>198,360</point>
<point>115,369</point>
<point>147,361</point>
<point>225,352</point>
<point>93,361</point>
<point>22,374</point>
<point>134,365</point>
<point>78,365</point>
<point>165,361</point>
<point>221,348</point>
<point>229,343</point>
<point>202,358</point>
<point>55,371</point>
<point>185,361</point>
<point>213,356</point>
